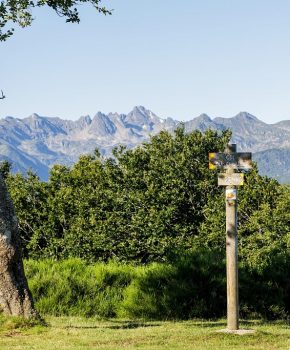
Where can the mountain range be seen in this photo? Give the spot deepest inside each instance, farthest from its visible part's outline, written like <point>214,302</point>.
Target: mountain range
<point>38,142</point>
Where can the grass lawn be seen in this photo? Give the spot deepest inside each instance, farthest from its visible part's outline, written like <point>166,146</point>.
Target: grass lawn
<point>73,333</point>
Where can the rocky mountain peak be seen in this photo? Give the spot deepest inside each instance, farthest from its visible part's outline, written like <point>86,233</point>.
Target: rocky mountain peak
<point>140,109</point>
<point>140,118</point>
<point>34,116</point>
<point>102,125</point>
<point>139,112</point>
<point>203,118</point>
<point>246,117</point>
<point>201,123</point>
<point>85,120</point>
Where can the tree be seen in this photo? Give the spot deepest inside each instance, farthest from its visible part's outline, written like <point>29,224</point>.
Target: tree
<point>5,168</point>
<point>15,297</point>
<point>20,12</point>
<point>29,197</point>
<point>142,206</point>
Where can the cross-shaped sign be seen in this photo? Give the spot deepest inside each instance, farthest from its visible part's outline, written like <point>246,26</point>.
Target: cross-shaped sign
<point>240,161</point>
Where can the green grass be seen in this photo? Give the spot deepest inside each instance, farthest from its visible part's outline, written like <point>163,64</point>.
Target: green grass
<point>182,290</point>
<point>74,333</point>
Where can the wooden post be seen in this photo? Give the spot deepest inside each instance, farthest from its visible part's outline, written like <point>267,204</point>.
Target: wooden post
<point>232,251</point>
<point>230,161</point>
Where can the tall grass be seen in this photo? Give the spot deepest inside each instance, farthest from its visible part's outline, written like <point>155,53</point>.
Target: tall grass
<point>160,291</point>
<point>193,286</point>
<point>72,287</point>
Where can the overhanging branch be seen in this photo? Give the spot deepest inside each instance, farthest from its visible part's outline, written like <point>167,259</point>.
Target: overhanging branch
<point>2,96</point>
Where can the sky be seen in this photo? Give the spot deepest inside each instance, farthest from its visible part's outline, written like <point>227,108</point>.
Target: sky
<point>176,58</point>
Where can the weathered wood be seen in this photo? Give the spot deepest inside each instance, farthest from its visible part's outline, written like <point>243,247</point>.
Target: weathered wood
<point>235,179</point>
<point>232,254</point>
<point>230,160</point>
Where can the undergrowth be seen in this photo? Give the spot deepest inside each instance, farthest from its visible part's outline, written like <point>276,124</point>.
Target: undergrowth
<point>192,287</point>
<point>15,322</point>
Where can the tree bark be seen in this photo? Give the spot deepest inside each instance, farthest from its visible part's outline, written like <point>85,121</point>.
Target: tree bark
<point>15,297</point>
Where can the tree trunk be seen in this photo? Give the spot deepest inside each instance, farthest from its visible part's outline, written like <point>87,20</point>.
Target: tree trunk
<point>15,297</point>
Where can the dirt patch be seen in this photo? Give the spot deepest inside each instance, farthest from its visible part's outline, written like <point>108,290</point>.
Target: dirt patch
<point>12,334</point>
<point>238,331</point>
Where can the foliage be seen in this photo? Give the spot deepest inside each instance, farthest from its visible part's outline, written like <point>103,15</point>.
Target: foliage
<point>5,168</point>
<point>8,323</point>
<point>29,196</point>
<point>20,12</point>
<point>142,206</point>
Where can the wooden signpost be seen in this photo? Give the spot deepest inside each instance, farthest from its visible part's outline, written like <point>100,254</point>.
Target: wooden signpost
<point>234,179</point>
<point>234,160</point>
<point>231,161</point>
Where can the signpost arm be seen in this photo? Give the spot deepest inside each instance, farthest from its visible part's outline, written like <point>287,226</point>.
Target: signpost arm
<point>232,255</point>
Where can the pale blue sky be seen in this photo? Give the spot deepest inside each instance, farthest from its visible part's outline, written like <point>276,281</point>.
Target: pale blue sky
<point>177,58</point>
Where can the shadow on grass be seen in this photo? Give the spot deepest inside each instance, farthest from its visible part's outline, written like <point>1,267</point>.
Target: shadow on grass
<point>243,323</point>
<point>120,325</point>
<point>206,324</point>
<point>133,325</point>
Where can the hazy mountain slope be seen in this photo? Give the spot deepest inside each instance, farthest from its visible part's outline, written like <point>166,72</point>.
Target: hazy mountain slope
<point>202,123</point>
<point>39,142</point>
<point>251,134</point>
<point>274,163</point>
<point>284,125</point>
<point>21,161</point>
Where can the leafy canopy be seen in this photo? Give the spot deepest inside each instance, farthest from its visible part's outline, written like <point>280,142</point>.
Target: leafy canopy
<point>140,206</point>
<point>20,12</point>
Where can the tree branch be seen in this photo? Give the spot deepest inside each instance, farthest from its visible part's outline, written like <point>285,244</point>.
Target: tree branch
<point>2,96</point>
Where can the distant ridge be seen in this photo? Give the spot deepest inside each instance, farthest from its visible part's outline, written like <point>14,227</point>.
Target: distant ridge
<point>38,142</point>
